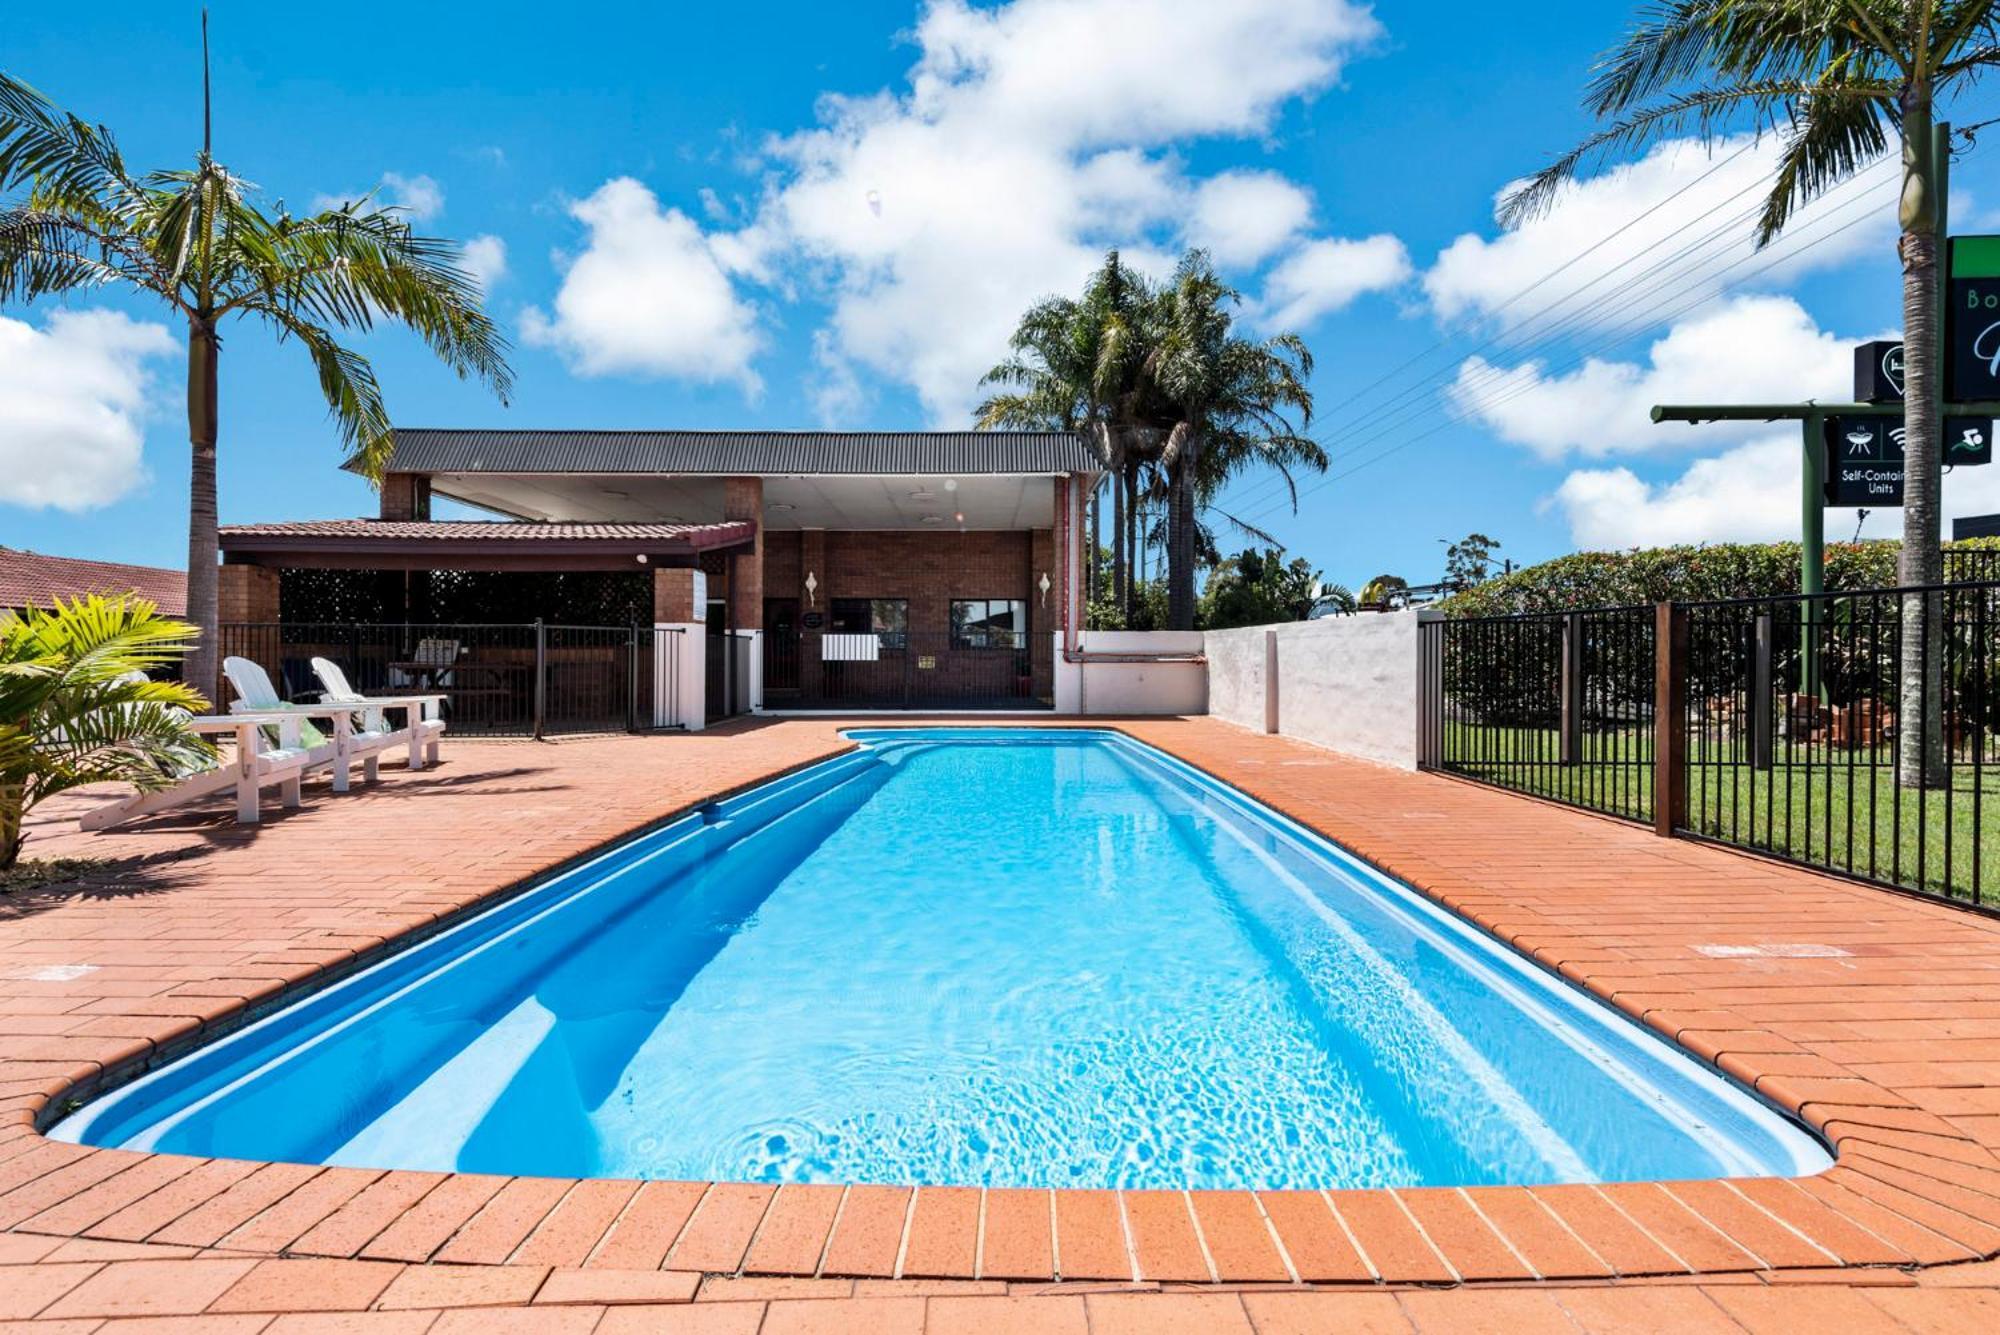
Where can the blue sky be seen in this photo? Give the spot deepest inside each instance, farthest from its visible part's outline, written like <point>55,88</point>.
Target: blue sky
<point>792,215</point>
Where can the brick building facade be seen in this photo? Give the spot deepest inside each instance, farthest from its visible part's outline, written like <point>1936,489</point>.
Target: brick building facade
<point>918,569</point>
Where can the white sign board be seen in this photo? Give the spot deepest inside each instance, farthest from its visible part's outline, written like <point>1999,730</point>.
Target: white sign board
<point>700,594</point>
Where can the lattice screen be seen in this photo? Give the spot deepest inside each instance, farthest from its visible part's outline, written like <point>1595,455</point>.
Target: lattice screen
<point>575,598</point>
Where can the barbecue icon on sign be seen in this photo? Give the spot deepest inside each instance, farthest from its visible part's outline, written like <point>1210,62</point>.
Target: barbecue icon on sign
<point>1860,441</point>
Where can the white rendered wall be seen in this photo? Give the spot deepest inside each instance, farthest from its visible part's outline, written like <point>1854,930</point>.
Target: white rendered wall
<point>1346,683</point>
<point>1100,688</point>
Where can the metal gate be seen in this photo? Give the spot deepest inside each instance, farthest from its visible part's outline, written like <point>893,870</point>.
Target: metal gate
<point>531,679</point>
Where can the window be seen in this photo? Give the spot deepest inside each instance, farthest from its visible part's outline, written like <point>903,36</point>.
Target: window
<point>989,623</point>
<point>887,618</point>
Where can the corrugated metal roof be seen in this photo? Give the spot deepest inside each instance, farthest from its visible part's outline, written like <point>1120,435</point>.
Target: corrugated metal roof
<point>30,577</point>
<point>747,453</point>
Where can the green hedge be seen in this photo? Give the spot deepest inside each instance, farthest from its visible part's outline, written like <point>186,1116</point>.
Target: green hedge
<point>1688,574</point>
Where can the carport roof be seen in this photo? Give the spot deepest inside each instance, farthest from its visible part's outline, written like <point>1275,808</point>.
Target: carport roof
<point>476,544</point>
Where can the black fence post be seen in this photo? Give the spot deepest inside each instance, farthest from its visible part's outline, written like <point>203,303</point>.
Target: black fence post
<point>1763,699</point>
<point>541,677</point>
<point>1670,691</point>
<point>1571,720</point>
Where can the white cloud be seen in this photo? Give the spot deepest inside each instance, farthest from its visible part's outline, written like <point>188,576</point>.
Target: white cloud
<point>419,197</point>
<point>1749,494</point>
<point>71,398</point>
<point>1749,349</point>
<point>648,295</point>
<point>1668,224</point>
<point>838,397</point>
<point>485,258</point>
<point>1241,217</point>
<point>1324,275</point>
<point>1021,146</point>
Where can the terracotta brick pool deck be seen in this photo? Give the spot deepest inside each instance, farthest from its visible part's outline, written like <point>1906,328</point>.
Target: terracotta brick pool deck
<point>1874,1017</point>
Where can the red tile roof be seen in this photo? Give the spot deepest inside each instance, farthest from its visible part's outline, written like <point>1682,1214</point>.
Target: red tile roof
<point>698,535</point>
<point>30,577</point>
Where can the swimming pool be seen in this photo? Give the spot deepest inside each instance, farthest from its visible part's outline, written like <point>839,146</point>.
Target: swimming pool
<point>1005,957</point>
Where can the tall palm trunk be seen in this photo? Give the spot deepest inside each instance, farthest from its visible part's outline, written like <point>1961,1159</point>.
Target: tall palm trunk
<point>1180,541</point>
<point>1134,553</point>
<point>1920,761</point>
<point>1120,570</point>
<point>204,659</point>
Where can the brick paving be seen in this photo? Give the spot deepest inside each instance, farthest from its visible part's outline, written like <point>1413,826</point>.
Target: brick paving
<point>1874,1016</point>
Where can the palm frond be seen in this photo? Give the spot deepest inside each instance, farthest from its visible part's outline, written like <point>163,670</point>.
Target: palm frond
<point>1704,114</point>
<point>348,266</point>
<point>347,382</point>
<point>43,144</point>
<point>1831,140</point>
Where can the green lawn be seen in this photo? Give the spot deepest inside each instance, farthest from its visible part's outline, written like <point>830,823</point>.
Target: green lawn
<point>1830,808</point>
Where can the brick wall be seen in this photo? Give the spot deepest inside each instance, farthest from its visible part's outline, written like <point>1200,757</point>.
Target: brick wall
<point>406,496</point>
<point>927,569</point>
<point>246,593</point>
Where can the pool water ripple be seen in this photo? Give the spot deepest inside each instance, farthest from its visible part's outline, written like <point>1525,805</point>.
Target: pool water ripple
<point>1004,958</point>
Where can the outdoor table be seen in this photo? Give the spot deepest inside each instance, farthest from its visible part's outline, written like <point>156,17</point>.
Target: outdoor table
<point>431,675</point>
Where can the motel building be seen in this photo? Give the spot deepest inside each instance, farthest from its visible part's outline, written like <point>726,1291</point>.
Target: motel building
<point>673,578</point>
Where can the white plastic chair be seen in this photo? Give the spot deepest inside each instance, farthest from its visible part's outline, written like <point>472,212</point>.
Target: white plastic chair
<point>257,764</point>
<point>256,695</point>
<point>421,725</point>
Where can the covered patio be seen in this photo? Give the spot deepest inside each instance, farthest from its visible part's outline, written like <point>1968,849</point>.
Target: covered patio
<point>527,628</point>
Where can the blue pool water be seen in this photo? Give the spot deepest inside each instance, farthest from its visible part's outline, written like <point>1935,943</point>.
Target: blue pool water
<point>1009,958</point>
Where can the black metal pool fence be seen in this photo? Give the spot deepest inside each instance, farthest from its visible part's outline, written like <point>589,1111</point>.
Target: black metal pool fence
<point>526,679</point>
<point>1772,724</point>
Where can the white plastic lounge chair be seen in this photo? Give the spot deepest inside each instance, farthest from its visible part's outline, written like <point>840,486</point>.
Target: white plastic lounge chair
<point>257,764</point>
<point>256,695</point>
<point>421,725</point>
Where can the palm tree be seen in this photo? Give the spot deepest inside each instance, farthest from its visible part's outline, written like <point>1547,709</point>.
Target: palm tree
<point>1074,367</point>
<point>1218,390</point>
<point>195,241</point>
<point>1835,79</point>
<point>76,707</point>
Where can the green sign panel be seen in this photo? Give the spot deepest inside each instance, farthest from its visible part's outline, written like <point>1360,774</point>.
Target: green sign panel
<point>1972,318</point>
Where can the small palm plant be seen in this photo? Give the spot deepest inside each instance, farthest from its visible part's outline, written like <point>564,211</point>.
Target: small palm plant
<point>194,241</point>
<point>76,707</point>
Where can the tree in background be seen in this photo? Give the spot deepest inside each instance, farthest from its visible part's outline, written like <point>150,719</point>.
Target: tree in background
<point>193,240</point>
<point>1219,387</point>
<point>1075,365</point>
<point>1837,80</point>
<point>1259,588</point>
<point>1176,404</point>
<point>1469,560</point>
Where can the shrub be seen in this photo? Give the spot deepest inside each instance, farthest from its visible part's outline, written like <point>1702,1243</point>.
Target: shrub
<point>1686,574</point>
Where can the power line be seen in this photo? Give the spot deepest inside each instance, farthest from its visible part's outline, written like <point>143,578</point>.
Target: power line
<point>1444,340</point>
<point>1386,417</point>
<point>1496,400</point>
